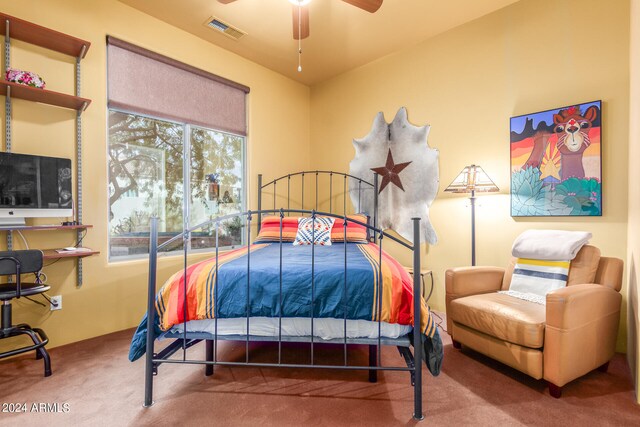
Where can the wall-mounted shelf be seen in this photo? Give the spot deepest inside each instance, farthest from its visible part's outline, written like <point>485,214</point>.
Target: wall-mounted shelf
<point>35,34</point>
<point>45,227</point>
<point>54,254</point>
<point>19,29</point>
<point>44,96</point>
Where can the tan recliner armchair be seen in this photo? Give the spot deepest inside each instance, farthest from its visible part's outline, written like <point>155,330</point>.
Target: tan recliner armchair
<point>572,335</point>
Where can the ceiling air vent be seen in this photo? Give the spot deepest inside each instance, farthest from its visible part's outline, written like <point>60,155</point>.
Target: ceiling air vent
<point>223,27</point>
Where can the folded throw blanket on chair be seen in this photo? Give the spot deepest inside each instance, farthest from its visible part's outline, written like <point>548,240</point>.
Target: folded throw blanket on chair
<point>551,245</point>
<point>532,279</point>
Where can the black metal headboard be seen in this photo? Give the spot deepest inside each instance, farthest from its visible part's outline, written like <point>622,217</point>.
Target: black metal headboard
<point>360,182</point>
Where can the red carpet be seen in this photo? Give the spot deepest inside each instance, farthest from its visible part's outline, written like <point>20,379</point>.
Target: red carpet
<point>101,387</point>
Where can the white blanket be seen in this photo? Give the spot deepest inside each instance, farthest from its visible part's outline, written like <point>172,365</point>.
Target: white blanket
<point>533,279</point>
<point>325,328</point>
<point>552,245</point>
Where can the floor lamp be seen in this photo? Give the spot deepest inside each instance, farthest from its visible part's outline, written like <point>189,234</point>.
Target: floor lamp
<point>472,178</point>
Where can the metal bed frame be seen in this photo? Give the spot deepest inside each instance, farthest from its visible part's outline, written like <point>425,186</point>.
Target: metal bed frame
<point>184,340</point>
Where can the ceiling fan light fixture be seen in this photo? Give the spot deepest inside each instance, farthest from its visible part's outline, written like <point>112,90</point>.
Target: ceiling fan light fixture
<point>299,2</point>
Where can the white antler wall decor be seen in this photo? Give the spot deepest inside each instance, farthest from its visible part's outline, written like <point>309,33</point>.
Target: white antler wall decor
<point>408,169</point>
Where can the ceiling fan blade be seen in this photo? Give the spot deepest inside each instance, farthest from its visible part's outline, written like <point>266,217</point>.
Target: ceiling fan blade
<point>226,1</point>
<point>368,5</point>
<point>303,26</point>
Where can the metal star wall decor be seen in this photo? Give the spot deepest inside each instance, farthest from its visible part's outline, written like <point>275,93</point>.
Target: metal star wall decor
<point>410,197</point>
<point>390,172</point>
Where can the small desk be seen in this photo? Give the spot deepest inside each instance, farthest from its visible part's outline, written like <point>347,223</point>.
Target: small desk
<point>54,254</point>
<point>423,272</point>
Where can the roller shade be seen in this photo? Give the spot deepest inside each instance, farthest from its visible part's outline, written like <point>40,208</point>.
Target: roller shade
<point>145,82</point>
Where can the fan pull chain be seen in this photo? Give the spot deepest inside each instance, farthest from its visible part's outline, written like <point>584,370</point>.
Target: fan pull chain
<point>299,38</point>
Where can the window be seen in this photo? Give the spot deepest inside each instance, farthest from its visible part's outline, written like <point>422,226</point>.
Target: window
<point>176,150</point>
<point>217,184</point>
<point>147,161</point>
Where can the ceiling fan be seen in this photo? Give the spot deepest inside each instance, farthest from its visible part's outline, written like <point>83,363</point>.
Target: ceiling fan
<point>301,13</point>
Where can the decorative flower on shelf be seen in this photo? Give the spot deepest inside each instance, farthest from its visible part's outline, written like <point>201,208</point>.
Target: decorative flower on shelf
<point>26,78</point>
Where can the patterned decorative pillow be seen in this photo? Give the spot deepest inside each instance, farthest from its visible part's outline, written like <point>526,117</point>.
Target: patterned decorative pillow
<point>314,232</point>
<point>270,229</point>
<point>356,233</point>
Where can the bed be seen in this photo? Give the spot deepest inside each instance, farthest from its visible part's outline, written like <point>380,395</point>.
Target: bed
<point>350,292</point>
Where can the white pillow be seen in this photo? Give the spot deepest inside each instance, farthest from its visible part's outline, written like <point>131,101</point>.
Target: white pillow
<point>306,234</point>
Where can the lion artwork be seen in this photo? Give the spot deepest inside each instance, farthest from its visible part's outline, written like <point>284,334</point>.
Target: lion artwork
<point>556,166</point>
<point>572,129</point>
<point>573,138</point>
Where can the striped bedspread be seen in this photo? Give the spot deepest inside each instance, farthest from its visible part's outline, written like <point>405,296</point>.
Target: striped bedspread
<point>369,290</point>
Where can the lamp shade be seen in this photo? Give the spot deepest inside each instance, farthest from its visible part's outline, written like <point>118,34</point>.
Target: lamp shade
<point>472,178</point>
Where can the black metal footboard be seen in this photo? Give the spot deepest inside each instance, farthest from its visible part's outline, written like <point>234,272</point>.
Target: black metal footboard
<point>185,339</point>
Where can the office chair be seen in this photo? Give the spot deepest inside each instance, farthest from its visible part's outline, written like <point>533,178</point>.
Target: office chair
<point>15,263</point>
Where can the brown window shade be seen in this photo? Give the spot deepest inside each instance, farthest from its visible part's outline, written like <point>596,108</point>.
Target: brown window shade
<point>145,82</point>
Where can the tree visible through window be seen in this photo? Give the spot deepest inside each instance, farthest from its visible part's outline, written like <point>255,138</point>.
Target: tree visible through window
<point>147,159</point>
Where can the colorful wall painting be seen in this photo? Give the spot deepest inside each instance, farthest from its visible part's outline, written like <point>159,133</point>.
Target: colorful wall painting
<point>556,163</point>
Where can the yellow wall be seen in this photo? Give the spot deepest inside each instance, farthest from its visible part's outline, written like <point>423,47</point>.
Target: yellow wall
<point>633,253</point>
<point>113,295</point>
<point>466,83</point>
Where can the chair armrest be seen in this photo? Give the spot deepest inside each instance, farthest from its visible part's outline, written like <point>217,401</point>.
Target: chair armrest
<point>577,305</point>
<point>464,281</point>
<point>581,330</point>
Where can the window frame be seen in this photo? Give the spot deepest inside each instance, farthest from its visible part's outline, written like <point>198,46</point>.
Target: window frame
<point>186,186</point>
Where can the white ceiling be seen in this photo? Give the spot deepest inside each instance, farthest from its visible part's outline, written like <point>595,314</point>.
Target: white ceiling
<point>342,37</point>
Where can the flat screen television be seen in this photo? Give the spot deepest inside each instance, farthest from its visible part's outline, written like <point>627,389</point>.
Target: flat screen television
<point>34,186</point>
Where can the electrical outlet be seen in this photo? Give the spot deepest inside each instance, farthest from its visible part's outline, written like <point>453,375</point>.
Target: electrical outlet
<point>56,302</point>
